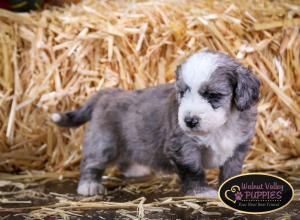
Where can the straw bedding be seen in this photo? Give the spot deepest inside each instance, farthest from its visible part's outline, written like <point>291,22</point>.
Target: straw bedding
<point>54,59</point>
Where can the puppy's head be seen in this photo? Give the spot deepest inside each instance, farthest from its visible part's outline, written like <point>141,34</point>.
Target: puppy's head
<point>210,86</point>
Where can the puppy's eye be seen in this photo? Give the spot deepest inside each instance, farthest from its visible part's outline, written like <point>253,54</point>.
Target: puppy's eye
<point>183,91</point>
<point>213,97</point>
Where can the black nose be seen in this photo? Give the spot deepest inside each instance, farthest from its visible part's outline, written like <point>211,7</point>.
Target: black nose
<point>191,122</point>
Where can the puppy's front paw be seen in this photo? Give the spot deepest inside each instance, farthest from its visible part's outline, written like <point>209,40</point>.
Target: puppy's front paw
<point>90,188</point>
<point>204,191</point>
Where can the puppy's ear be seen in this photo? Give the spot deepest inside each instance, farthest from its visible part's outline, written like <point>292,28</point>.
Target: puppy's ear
<point>247,89</point>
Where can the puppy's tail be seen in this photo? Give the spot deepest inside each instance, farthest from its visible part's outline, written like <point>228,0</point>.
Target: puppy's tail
<point>77,117</point>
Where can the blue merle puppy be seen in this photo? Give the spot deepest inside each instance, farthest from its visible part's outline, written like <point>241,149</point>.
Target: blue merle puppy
<point>206,119</point>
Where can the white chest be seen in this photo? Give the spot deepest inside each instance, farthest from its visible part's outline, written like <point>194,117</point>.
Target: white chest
<point>220,146</point>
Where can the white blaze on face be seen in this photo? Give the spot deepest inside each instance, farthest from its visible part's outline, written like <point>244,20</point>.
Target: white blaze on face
<point>195,71</point>
<point>198,68</point>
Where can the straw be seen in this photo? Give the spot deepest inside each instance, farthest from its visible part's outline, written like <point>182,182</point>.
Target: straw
<point>52,60</point>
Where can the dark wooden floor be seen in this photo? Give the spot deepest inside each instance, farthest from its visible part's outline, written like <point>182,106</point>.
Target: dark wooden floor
<point>48,193</point>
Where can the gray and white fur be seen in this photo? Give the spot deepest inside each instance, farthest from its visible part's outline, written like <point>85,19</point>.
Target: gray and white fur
<point>206,119</point>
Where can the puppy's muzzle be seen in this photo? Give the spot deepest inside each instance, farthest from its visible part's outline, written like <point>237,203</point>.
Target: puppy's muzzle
<point>191,122</point>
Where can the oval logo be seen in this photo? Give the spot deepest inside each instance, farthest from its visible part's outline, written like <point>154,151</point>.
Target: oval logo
<point>256,193</point>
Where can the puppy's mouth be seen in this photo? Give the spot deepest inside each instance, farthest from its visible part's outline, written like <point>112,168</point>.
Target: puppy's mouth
<point>197,132</point>
<point>194,131</point>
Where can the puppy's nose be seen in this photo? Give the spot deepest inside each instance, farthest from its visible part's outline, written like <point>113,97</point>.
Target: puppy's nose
<point>191,122</point>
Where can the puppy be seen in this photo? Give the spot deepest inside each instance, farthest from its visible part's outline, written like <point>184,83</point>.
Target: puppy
<point>206,119</point>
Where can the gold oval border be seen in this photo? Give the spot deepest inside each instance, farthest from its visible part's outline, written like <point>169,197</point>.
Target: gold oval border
<point>263,174</point>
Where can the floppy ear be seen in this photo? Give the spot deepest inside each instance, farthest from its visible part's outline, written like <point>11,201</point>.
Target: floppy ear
<point>246,92</point>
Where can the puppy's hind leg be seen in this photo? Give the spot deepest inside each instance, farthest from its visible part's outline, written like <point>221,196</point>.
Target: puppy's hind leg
<point>99,150</point>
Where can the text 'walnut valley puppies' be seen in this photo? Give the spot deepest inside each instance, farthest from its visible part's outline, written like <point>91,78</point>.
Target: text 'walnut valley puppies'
<point>204,120</point>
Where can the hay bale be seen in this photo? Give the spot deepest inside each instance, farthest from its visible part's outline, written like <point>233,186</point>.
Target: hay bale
<point>54,59</point>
